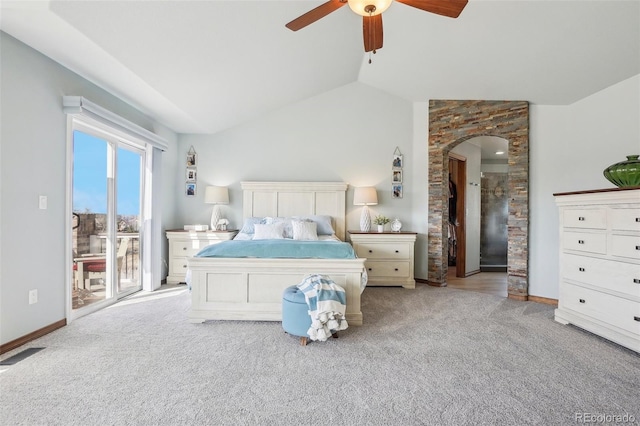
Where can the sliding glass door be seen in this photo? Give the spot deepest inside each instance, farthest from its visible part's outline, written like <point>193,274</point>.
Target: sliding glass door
<point>107,183</point>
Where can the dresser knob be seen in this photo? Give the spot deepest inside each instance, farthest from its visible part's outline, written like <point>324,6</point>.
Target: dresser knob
<point>397,251</point>
<point>370,251</point>
<point>636,318</point>
<point>581,300</point>
<point>637,247</point>
<point>636,280</point>
<point>580,241</point>
<point>581,269</point>
<point>396,269</point>
<point>184,266</point>
<point>184,248</point>
<point>369,268</point>
<point>637,219</point>
<point>581,218</point>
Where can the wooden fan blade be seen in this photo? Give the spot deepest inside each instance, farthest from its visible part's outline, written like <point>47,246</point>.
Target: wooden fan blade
<point>313,15</point>
<point>372,32</point>
<point>450,8</point>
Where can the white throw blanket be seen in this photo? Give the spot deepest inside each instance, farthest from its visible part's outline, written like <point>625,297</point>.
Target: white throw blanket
<point>327,303</point>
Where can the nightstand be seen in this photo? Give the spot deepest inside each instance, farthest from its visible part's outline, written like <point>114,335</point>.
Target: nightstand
<point>390,256</point>
<point>185,244</point>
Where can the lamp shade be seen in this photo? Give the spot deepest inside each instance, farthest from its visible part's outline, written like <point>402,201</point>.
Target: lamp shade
<point>360,6</point>
<point>365,196</point>
<point>216,195</point>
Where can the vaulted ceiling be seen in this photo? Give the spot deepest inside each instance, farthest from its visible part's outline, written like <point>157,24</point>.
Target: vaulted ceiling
<point>204,66</point>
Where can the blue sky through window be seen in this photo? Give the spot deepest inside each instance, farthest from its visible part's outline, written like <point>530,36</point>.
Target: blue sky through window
<point>90,177</point>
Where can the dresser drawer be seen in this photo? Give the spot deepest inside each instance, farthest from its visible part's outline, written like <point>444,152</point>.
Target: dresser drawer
<point>384,250</point>
<point>387,269</point>
<point>585,241</point>
<point>625,219</point>
<point>610,309</point>
<point>616,276</point>
<point>585,218</point>
<point>625,246</point>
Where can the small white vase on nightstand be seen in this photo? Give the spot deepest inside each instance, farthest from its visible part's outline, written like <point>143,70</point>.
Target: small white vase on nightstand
<point>380,228</point>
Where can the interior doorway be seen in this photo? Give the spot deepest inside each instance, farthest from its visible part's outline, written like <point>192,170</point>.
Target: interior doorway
<point>456,228</point>
<point>452,122</point>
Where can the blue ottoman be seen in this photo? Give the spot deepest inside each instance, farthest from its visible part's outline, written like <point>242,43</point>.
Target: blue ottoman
<point>295,313</point>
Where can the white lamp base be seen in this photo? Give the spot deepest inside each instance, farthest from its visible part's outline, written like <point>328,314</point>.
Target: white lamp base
<point>215,217</point>
<point>365,220</point>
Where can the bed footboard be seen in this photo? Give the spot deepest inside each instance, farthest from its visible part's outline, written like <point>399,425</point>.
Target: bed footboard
<point>250,289</point>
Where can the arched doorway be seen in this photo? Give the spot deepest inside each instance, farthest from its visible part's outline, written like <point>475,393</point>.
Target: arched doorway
<point>453,122</point>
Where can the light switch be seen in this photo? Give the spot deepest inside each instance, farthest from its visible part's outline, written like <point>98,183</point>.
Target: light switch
<point>43,202</point>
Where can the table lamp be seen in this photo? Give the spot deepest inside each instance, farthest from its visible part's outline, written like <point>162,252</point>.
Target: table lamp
<point>365,196</point>
<point>216,195</point>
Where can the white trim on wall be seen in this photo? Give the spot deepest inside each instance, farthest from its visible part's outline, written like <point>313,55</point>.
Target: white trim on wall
<point>74,105</point>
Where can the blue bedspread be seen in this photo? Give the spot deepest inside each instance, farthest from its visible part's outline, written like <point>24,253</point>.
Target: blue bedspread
<point>284,248</point>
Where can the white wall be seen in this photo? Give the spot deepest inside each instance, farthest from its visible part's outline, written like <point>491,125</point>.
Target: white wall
<point>570,146</point>
<point>33,163</point>
<point>348,134</point>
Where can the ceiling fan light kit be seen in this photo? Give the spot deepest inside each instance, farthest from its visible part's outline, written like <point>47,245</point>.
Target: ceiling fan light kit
<point>369,7</point>
<point>371,12</point>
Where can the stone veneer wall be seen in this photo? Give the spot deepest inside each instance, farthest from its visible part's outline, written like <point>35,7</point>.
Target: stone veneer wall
<point>453,122</point>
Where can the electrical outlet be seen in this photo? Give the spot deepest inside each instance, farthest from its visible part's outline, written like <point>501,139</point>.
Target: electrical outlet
<point>33,296</point>
<point>42,202</point>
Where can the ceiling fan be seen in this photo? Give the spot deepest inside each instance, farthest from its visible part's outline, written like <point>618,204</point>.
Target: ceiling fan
<point>371,12</point>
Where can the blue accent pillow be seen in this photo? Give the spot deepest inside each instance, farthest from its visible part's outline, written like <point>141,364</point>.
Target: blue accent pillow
<point>248,225</point>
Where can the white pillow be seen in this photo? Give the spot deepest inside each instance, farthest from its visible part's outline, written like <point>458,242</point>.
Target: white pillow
<point>305,231</point>
<point>271,231</point>
<point>323,222</point>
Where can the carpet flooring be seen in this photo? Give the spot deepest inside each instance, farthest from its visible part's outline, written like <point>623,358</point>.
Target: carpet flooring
<point>429,356</point>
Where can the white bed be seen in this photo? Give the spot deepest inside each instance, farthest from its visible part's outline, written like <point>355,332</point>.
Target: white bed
<point>251,288</point>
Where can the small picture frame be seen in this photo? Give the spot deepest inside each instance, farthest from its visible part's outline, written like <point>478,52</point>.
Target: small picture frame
<point>397,176</point>
<point>397,161</point>
<point>190,189</point>
<point>191,159</point>
<point>191,175</point>
<point>396,190</point>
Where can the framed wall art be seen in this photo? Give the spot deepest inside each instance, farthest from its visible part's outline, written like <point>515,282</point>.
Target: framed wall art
<point>396,190</point>
<point>191,173</point>
<point>396,173</point>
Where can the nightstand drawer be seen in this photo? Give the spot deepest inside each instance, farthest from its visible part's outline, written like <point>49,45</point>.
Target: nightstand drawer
<point>585,218</point>
<point>187,248</point>
<point>384,250</point>
<point>585,241</point>
<point>179,266</point>
<point>387,269</point>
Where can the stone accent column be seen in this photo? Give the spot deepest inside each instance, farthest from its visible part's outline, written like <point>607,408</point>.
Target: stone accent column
<point>453,122</point>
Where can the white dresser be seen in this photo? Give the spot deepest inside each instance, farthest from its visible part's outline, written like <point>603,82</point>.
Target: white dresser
<point>600,263</point>
<point>184,244</point>
<point>390,257</point>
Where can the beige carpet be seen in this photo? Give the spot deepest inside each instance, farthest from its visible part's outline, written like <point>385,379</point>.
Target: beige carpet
<point>429,356</point>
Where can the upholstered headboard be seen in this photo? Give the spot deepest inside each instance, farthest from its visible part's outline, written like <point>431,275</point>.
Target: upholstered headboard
<point>281,199</point>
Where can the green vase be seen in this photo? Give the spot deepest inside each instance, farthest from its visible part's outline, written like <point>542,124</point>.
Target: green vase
<point>624,174</point>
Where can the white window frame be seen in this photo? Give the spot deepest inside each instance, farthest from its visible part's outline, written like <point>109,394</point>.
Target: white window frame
<point>82,113</point>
